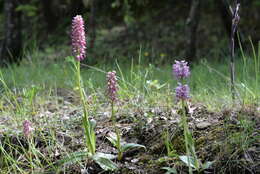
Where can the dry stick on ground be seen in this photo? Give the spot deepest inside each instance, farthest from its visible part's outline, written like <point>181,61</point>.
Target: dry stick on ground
<point>235,20</point>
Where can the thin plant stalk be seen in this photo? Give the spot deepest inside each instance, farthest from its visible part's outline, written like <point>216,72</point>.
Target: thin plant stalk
<point>235,20</point>
<point>186,129</point>
<point>232,68</point>
<point>88,129</point>
<point>256,63</point>
<point>244,75</point>
<point>118,138</point>
<point>167,142</point>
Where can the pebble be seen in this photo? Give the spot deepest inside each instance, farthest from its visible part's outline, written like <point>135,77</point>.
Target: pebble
<point>203,125</point>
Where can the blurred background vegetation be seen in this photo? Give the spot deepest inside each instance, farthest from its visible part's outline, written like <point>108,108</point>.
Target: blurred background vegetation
<point>163,30</point>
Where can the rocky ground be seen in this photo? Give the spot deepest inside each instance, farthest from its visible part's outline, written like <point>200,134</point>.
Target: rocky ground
<point>228,138</point>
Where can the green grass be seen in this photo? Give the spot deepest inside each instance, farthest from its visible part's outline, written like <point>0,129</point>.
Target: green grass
<point>28,90</point>
<point>209,80</point>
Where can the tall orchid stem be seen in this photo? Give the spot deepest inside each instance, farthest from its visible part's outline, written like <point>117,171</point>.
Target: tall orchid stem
<point>86,123</point>
<point>186,132</point>
<point>189,143</point>
<point>118,138</point>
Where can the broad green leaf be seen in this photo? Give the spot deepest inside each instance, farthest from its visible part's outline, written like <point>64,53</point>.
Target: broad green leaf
<point>207,164</point>
<point>73,157</point>
<point>189,161</point>
<point>112,140</point>
<point>104,155</point>
<point>105,163</point>
<point>128,146</point>
<point>164,159</point>
<point>170,170</point>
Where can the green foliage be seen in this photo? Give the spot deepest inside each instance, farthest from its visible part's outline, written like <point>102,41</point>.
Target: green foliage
<point>135,77</point>
<point>171,152</point>
<point>127,9</point>
<point>88,126</point>
<point>191,162</point>
<point>140,86</point>
<point>73,157</point>
<point>124,146</point>
<point>129,146</point>
<point>256,3</point>
<point>191,157</point>
<point>170,170</point>
<point>28,9</point>
<point>103,160</point>
<point>115,139</point>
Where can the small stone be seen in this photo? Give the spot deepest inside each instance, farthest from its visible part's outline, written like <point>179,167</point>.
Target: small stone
<point>203,125</point>
<point>134,160</point>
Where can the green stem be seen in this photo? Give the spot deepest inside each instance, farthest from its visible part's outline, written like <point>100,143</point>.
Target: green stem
<point>86,124</point>
<point>118,138</point>
<point>30,152</point>
<point>185,128</point>
<point>82,97</point>
<point>167,142</point>
<point>190,147</point>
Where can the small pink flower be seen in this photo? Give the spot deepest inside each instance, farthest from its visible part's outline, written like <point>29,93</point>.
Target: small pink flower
<point>112,85</point>
<point>27,128</point>
<point>182,92</point>
<point>78,38</point>
<point>181,69</point>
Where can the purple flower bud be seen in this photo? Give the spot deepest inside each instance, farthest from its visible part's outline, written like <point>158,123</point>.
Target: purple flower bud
<point>181,69</point>
<point>182,92</point>
<point>78,38</point>
<point>111,85</point>
<point>27,128</point>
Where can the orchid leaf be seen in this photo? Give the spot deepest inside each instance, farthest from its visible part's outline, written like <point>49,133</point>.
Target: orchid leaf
<point>104,155</point>
<point>112,140</point>
<point>104,162</point>
<point>74,157</point>
<point>170,170</point>
<point>207,164</point>
<point>129,146</point>
<point>188,160</point>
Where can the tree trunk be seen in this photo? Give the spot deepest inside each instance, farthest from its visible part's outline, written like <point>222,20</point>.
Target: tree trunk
<point>49,15</point>
<point>11,45</point>
<point>93,23</point>
<point>191,30</point>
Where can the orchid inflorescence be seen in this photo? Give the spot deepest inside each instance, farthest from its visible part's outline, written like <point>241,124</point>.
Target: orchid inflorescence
<point>78,38</point>
<point>181,71</point>
<point>112,88</point>
<point>112,85</point>
<point>182,92</point>
<point>79,53</point>
<point>27,128</point>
